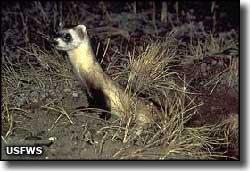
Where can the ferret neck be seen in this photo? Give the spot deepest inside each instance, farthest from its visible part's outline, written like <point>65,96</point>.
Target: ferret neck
<point>83,55</point>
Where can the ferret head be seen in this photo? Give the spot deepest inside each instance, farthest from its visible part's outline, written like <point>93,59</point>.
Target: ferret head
<point>70,38</point>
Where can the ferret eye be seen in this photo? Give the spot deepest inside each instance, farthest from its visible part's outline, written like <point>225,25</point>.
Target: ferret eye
<point>67,37</point>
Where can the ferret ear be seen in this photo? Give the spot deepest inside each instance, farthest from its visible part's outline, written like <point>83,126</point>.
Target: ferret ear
<point>82,31</point>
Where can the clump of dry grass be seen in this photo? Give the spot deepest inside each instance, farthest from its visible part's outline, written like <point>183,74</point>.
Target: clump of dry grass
<point>168,136</point>
<point>149,72</point>
<point>229,129</point>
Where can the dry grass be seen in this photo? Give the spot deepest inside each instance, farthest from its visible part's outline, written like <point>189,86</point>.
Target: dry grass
<point>19,80</point>
<point>145,73</point>
<point>148,74</point>
<point>229,129</point>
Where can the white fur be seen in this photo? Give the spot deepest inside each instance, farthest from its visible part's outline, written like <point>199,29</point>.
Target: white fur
<point>76,41</point>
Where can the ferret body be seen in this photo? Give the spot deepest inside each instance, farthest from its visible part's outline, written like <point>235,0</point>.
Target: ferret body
<point>101,89</point>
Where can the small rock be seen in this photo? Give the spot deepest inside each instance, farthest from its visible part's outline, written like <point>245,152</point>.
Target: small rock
<point>214,62</point>
<point>66,90</point>
<point>20,101</point>
<point>52,139</point>
<point>34,97</point>
<point>74,94</point>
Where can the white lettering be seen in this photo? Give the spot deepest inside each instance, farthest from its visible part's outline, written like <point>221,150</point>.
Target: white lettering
<point>30,150</point>
<point>39,150</point>
<point>18,150</point>
<point>9,150</point>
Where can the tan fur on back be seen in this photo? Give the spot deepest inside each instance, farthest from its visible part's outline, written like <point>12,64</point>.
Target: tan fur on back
<point>86,66</point>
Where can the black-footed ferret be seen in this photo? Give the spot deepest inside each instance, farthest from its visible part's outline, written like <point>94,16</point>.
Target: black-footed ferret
<point>102,91</point>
